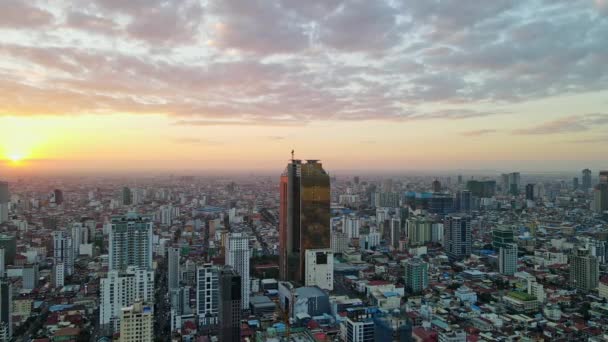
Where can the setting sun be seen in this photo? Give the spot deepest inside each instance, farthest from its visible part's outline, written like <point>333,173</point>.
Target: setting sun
<point>15,158</point>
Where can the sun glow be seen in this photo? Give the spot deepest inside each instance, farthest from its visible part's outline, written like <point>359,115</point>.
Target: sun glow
<point>15,158</point>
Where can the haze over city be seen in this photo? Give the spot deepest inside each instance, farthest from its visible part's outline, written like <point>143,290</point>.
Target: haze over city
<point>368,86</point>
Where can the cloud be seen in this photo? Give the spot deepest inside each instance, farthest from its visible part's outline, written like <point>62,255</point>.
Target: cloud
<point>19,14</point>
<point>478,133</point>
<point>91,23</point>
<point>291,62</point>
<point>569,124</point>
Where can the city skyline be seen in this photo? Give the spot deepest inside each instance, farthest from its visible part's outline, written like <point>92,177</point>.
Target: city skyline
<point>386,84</point>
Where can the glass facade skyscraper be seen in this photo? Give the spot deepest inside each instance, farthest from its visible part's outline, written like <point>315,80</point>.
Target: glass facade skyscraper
<point>304,221</point>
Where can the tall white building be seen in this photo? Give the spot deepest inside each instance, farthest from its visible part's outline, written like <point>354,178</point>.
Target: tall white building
<point>120,289</point>
<point>237,256</point>
<point>59,274</point>
<point>207,294</point>
<point>437,232</point>
<point>351,226</point>
<point>339,242</point>
<point>130,242</point>
<point>137,323</point>
<point>63,251</point>
<point>320,268</point>
<point>507,259</point>
<point>173,269</point>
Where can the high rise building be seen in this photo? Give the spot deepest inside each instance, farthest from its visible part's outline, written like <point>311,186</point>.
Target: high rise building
<point>237,256</point>
<point>530,192</point>
<point>507,259</point>
<point>586,179</point>
<point>416,275</point>
<point>351,226</point>
<point>76,231</point>
<point>603,177</point>
<point>599,203</point>
<point>121,288</point>
<point>137,323</point>
<point>459,179</point>
<point>464,199</point>
<point>130,242</point>
<point>501,236</point>
<point>230,305</point>
<point>173,267</point>
<point>419,231</point>
<point>207,294</point>
<point>436,186</point>
<point>395,232</point>
<point>127,196</point>
<point>575,184</point>
<point>30,276</point>
<point>320,268</point>
<point>63,250</point>
<point>9,244</point>
<point>304,218</point>
<point>584,270</point>
<point>59,274</point>
<point>514,183</point>
<point>339,242</point>
<point>4,201</point>
<point>482,189</point>
<point>56,196</point>
<point>457,236</point>
<point>6,308</point>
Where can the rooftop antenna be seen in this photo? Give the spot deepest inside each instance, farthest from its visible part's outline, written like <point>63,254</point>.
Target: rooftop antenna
<point>292,156</point>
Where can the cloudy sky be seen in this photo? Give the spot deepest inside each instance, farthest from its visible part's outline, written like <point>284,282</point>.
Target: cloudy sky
<point>236,84</point>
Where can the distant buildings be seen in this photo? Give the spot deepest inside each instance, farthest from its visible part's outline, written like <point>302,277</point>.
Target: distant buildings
<point>173,256</point>
<point>507,259</point>
<point>4,201</point>
<point>130,242</point>
<point>320,268</point>
<point>501,236</point>
<point>9,244</point>
<point>482,189</point>
<point>63,251</point>
<point>304,216</point>
<point>586,179</point>
<point>126,196</point>
<point>530,192</point>
<point>457,236</point>
<point>584,270</point>
<point>237,256</point>
<point>511,183</point>
<point>419,231</point>
<point>416,275</point>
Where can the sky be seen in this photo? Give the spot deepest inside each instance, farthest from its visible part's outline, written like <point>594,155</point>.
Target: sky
<point>381,85</point>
